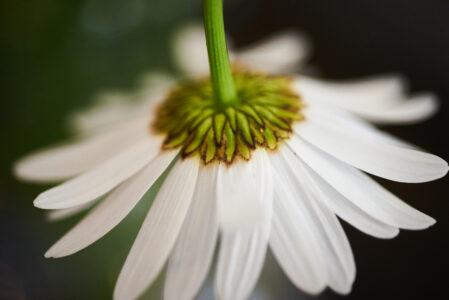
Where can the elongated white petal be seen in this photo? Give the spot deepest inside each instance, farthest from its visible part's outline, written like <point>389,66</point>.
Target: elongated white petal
<point>379,100</point>
<point>116,107</point>
<point>333,116</point>
<point>412,110</point>
<point>348,211</point>
<point>112,210</point>
<point>190,50</point>
<point>240,262</point>
<point>327,229</point>
<point>101,179</point>
<point>282,52</point>
<point>293,243</point>
<point>109,108</point>
<point>360,189</point>
<point>343,207</point>
<point>62,162</point>
<point>242,250</point>
<point>158,232</point>
<point>60,214</point>
<point>372,93</point>
<point>241,192</point>
<point>369,153</point>
<point>192,255</point>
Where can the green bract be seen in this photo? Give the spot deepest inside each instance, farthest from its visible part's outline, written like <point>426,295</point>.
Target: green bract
<point>262,116</point>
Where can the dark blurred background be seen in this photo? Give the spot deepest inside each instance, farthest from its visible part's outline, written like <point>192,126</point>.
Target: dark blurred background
<point>55,56</point>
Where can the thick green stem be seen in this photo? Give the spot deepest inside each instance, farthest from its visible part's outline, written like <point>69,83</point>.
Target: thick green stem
<point>220,69</point>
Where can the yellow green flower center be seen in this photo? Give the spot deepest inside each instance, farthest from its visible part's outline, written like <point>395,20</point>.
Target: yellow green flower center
<point>193,121</point>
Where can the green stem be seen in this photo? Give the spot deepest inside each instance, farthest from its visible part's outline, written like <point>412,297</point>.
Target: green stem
<point>220,69</point>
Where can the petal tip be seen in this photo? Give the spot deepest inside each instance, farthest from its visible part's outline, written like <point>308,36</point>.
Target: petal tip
<point>393,234</point>
<point>314,291</point>
<point>52,253</point>
<point>345,289</point>
<point>43,202</point>
<point>37,202</point>
<point>40,203</point>
<point>20,171</point>
<point>440,171</point>
<point>429,222</point>
<point>425,223</point>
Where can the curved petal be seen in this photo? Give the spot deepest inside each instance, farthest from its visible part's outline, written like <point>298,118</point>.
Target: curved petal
<point>159,231</point>
<point>415,109</point>
<point>108,108</point>
<point>240,262</point>
<point>280,53</point>
<point>111,211</point>
<point>192,255</point>
<point>336,117</point>
<point>370,154</point>
<point>380,100</point>
<point>190,50</point>
<point>333,242</point>
<point>293,243</point>
<point>63,162</point>
<point>361,190</point>
<point>241,190</point>
<point>372,93</point>
<point>116,107</point>
<point>101,179</point>
<point>343,207</point>
<point>242,250</point>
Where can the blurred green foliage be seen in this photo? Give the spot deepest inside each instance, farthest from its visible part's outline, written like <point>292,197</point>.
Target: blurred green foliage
<point>55,57</point>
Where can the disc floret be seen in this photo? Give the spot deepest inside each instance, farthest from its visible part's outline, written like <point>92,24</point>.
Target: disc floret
<point>262,116</point>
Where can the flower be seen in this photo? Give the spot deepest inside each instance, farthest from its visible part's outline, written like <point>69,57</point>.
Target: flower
<point>274,170</point>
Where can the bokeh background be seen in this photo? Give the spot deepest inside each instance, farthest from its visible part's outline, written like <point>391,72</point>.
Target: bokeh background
<point>56,56</point>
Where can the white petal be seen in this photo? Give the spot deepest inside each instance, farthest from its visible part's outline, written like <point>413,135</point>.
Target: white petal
<point>192,255</point>
<point>190,50</point>
<point>241,190</point>
<point>280,53</point>
<point>158,232</point>
<point>101,179</point>
<point>339,118</point>
<point>116,107</point>
<point>413,110</point>
<point>343,207</point>
<point>242,250</point>
<point>63,162</point>
<point>293,242</point>
<point>380,100</point>
<point>336,117</point>
<point>112,210</point>
<point>60,214</point>
<point>372,93</point>
<point>240,262</point>
<point>369,153</point>
<point>327,229</point>
<point>153,85</point>
<point>107,109</point>
<point>360,189</point>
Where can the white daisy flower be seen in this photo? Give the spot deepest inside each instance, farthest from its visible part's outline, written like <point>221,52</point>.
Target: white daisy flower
<point>271,166</point>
